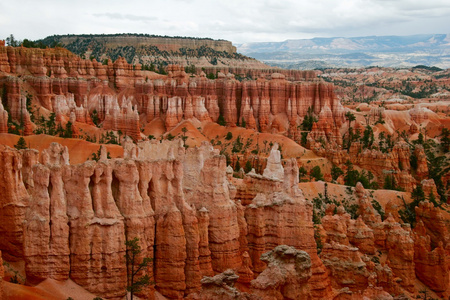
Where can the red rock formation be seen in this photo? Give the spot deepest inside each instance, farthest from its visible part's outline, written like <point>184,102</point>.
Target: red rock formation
<point>400,252</point>
<point>360,235</point>
<point>401,155</point>
<point>368,214</point>
<point>259,103</point>
<point>429,188</point>
<point>346,266</point>
<point>245,273</point>
<point>126,120</point>
<point>4,64</point>
<point>174,113</point>
<point>220,287</point>
<point>381,164</point>
<point>436,222</point>
<point>2,273</point>
<point>286,276</point>
<point>3,119</point>
<point>277,215</point>
<point>204,258</point>
<point>418,114</point>
<point>14,200</point>
<point>335,226</point>
<point>89,262</point>
<point>422,165</point>
<point>431,265</point>
<point>71,221</point>
<point>209,168</point>
<point>37,232</point>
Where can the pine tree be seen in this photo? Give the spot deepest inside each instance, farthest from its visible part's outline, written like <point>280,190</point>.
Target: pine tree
<point>243,123</point>
<point>21,144</point>
<point>237,166</point>
<point>184,136</point>
<point>248,166</point>
<point>317,173</point>
<point>133,251</point>
<point>221,120</point>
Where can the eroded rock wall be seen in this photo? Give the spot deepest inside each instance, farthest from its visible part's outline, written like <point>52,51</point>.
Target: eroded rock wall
<point>72,221</point>
<point>124,97</point>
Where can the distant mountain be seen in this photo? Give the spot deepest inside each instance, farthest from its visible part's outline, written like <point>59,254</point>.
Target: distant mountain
<point>388,51</point>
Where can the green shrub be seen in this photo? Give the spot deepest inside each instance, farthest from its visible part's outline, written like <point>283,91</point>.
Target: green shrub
<point>316,173</point>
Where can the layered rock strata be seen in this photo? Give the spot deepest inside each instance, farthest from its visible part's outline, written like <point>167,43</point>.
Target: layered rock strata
<point>272,104</point>
<point>394,163</point>
<point>71,221</point>
<point>110,201</point>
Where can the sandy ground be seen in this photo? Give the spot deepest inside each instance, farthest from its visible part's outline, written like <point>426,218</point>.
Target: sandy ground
<point>79,150</point>
<point>288,146</point>
<point>339,192</point>
<point>194,136</point>
<point>50,289</point>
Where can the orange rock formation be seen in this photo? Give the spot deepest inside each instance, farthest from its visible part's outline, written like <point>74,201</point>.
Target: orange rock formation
<point>82,87</point>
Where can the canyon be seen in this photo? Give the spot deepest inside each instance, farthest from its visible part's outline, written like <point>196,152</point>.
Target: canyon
<point>158,158</point>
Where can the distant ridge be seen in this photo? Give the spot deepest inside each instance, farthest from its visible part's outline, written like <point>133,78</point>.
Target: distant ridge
<point>131,34</point>
<point>388,51</point>
<point>154,50</point>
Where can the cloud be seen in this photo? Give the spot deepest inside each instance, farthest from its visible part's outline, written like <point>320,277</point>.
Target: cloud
<point>235,20</point>
<point>128,17</point>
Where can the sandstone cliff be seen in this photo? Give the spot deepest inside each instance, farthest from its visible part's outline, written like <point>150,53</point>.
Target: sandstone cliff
<point>84,213</point>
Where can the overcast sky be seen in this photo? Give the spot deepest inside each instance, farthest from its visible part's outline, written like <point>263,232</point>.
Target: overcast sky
<point>239,21</point>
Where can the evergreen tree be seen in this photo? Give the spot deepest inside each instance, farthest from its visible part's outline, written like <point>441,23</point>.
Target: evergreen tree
<point>350,118</point>
<point>438,166</point>
<point>133,251</point>
<point>221,120</point>
<point>389,182</point>
<point>237,166</point>
<point>304,139</point>
<point>432,199</point>
<point>420,139</point>
<point>95,118</point>
<point>21,144</point>
<point>243,123</point>
<point>184,137</point>
<point>316,173</point>
<point>67,133</point>
<point>248,166</point>
<point>368,137</point>
<point>445,140</point>
<point>351,176</point>
<point>11,41</point>
<point>417,194</point>
<point>309,120</point>
<point>336,172</point>
<point>50,124</point>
